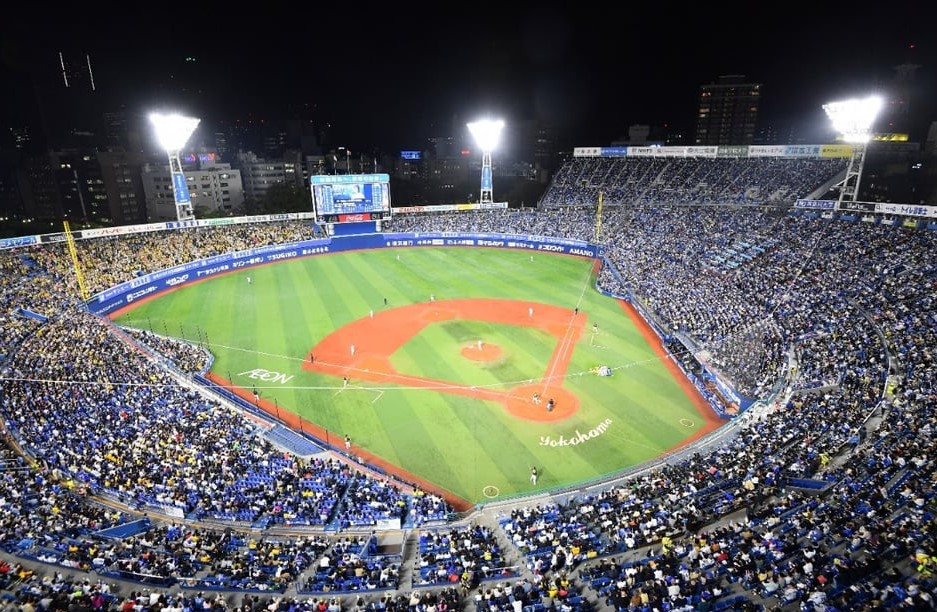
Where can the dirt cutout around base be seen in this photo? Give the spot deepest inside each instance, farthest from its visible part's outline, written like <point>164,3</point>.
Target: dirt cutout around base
<point>524,405</point>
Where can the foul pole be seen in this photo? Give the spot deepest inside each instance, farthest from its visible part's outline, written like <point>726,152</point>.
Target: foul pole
<point>70,241</point>
<point>598,218</point>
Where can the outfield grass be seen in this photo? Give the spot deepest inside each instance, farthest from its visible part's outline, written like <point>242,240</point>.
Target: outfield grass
<point>464,445</point>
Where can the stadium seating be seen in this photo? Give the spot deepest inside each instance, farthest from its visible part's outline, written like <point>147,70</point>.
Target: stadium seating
<point>825,494</point>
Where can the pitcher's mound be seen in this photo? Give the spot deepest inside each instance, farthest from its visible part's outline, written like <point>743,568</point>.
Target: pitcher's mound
<point>488,352</point>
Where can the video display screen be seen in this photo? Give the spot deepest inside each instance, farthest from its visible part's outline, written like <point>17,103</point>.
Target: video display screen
<point>348,198</point>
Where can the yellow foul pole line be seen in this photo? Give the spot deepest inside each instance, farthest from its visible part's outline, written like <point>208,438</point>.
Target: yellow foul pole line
<point>598,219</point>
<point>70,240</point>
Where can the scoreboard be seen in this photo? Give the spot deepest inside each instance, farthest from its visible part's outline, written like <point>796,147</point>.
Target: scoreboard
<point>350,198</point>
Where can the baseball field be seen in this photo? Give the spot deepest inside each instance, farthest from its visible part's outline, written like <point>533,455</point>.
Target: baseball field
<point>457,368</point>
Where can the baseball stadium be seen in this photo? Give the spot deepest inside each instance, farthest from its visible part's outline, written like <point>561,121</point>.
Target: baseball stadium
<point>685,380</point>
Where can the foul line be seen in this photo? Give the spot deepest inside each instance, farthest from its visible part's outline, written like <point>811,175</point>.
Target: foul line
<point>566,344</point>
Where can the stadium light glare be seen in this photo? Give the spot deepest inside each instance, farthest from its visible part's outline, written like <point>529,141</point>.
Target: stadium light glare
<point>486,133</point>
<point>172,132</point>
<point>853,119</point>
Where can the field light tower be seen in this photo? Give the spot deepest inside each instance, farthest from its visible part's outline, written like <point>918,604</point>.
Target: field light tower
<point>172,132</point>
<point>852,120</point>
<point>486,133</point>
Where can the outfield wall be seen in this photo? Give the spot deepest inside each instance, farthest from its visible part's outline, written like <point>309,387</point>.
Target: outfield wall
<point>155,283</point>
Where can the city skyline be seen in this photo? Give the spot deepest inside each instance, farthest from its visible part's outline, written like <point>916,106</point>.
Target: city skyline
<point>390,76</point>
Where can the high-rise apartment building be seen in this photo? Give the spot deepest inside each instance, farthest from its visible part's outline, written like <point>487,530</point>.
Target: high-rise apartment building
<point>728,111</point>
<point>80,186</point>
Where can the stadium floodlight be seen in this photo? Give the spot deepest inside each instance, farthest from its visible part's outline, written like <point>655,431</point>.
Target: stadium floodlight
<point>486,133</point>
<point>852,119</point>
<point>172,132</point>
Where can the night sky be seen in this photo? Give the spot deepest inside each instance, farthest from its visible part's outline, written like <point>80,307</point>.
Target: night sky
<point>393,73</point>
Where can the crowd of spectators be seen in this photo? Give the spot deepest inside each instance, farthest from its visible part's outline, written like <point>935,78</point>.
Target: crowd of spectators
<point>109,261</point>
<point>464,555</point>
<point>185,356</point>
<point>354,564</point>
<point>693,181</point>
<point>541,593</point>
<point>827,492</point>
